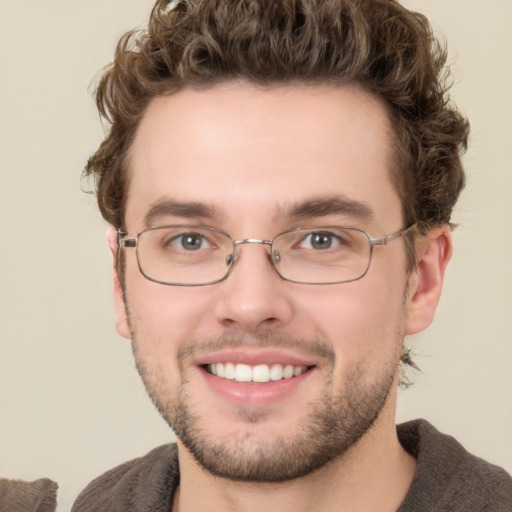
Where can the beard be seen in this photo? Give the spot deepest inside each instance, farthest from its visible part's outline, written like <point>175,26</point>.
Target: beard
<point>334,423</point>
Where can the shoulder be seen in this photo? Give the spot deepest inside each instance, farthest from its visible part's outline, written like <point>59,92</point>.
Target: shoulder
<point>145,483</point>
<point>450,478</point>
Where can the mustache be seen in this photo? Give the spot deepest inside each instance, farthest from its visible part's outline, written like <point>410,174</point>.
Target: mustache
<point>265,339</point>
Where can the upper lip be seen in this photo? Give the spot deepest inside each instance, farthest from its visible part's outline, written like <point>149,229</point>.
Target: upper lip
<point>254,357</point>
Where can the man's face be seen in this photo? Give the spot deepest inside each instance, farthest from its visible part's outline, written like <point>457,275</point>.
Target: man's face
<point>254,163</point>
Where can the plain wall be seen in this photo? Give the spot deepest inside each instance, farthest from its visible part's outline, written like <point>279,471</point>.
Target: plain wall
<point>71,403</point>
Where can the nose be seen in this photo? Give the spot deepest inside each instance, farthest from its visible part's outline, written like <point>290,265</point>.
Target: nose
<point>253,296</point>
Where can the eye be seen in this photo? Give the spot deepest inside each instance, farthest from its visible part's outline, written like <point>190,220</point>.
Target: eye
<point>190,242</point>
<point>320,240</point>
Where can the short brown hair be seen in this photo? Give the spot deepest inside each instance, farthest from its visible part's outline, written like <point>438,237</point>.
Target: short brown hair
<point>377,44</point>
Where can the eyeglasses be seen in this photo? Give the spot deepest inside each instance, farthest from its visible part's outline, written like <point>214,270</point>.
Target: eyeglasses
<point>182,255</point>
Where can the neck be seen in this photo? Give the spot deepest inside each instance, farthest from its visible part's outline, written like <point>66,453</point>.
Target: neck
<point>374,475</point>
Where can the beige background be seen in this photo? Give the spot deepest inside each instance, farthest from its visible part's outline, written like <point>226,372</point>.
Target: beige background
<point>71,403</point>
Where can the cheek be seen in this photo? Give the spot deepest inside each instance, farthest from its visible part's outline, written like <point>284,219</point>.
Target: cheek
<point>165,317</point>
<point>361,320</point>
<point>162,321</point>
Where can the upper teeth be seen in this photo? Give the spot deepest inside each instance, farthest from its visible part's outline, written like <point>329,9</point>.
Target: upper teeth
<point>259,373</point>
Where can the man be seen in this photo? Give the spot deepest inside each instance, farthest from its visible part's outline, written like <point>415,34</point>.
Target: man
<point>280,178</point>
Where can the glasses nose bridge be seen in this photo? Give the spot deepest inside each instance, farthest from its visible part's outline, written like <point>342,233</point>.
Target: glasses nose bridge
<point>257,241</point>
<point>252,241</point>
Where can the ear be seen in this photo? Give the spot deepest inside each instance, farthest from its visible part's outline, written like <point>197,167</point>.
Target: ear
<point>426,280</point>
<point>122,324</point>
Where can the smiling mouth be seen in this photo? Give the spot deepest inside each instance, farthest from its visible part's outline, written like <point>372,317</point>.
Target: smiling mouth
<point>260,373</point>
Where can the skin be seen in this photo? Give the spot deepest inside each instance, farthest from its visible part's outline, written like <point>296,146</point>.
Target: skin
<point>251,154</point>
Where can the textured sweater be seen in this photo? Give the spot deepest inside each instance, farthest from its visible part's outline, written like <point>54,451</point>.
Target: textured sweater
<point>447,479</point>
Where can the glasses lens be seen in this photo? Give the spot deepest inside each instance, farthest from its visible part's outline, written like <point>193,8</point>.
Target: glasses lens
<point>186,255</point>
<point>323,255</point>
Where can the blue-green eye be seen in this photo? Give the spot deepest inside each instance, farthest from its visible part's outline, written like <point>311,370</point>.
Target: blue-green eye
<point>190,242</point>
<point>320,240</point>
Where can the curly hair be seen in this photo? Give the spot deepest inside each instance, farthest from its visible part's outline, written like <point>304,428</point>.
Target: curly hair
<point>377,44</point>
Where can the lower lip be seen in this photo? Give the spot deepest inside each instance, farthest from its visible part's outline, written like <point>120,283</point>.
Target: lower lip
<point>253,393</point>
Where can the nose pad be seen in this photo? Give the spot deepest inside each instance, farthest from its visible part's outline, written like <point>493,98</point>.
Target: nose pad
<point>276,257</point>
<point>232,258</point>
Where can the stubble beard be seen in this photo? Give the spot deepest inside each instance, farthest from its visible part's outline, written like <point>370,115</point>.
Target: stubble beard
<point>334,424</point>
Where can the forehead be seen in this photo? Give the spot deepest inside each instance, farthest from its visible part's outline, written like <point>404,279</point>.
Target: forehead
<point>250,152</point>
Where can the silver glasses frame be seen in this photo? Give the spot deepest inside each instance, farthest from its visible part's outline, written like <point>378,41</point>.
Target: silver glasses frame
<point>125,243</point>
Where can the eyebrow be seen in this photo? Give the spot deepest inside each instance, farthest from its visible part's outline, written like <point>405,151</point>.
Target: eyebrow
<point>323,206</point>
<point>184,209</point>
